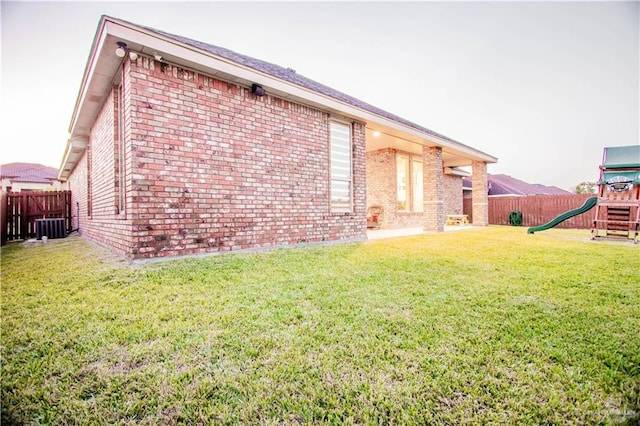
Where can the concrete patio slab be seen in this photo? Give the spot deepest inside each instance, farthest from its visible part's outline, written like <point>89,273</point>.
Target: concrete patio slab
<point>376,234</point>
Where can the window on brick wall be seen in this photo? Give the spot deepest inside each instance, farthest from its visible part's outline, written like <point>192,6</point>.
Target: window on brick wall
<point>417,186</point>
<point>402,179</point>
<point>119,147</point>
<point>341,167</point>
<point>410,185</point>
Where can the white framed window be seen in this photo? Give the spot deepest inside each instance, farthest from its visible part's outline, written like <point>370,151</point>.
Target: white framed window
<point>410,184</point>
<point>119,148</point>
<point>341,167</point>
<point>402,182</point>
<point>417,181</point>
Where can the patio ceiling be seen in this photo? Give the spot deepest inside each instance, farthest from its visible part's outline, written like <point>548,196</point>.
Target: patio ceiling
<point>381,137</point>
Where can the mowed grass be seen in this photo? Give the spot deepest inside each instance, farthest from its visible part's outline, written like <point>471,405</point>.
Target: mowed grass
<point>476,327</point>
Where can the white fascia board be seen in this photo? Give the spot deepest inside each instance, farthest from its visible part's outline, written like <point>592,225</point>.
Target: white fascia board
<point>454,171</point>
<point>75,143</point>
<point>92,63</point>
<point>73,152</point>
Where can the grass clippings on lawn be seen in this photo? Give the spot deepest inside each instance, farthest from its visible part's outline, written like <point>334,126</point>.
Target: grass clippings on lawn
<point>482,326</point>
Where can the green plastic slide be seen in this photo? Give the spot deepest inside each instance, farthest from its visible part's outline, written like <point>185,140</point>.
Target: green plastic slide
<point>588,205</point>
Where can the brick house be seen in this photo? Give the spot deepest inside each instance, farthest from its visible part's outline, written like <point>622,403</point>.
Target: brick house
<point>180,147</point>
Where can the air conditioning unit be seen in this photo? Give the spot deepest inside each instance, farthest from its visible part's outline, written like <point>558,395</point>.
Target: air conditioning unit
<point>50,228</point>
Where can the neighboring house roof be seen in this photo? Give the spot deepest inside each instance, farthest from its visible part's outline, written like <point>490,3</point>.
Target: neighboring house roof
<point>28,172</point>
<point>230,66</point>
<point>502,184</point>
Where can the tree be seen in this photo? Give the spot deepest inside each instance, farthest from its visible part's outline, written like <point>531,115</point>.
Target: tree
<point>586,188</point>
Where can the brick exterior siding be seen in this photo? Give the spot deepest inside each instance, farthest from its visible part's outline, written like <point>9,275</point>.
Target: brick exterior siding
<point>452,194</point>
<point>433,189</point>
<point>93,186</point>
<point>381,185</point>
<point>382,190</point>
<point>480,207</point>
<point>77,183</point>
<point>210,167</point>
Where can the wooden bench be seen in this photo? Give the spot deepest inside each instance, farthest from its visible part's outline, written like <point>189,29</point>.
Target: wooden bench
<point>457,219</point>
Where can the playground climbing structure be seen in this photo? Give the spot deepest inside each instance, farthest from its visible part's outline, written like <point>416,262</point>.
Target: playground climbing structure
<point>617,211</point>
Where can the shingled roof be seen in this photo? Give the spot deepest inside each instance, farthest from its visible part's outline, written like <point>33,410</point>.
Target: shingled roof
<point>235,67</point>
<point>502,184</point>
<point>28,172</point>
<point>291,76</point>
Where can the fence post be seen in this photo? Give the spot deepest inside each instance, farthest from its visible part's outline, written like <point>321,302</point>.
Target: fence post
<point>24,215</point>
<point>3,217</point>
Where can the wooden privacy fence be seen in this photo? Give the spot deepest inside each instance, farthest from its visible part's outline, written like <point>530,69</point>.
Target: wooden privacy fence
<point>540,209</point>
<point>20,210</point>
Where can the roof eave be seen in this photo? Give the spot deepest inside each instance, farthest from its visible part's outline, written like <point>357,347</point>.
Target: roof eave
<point>103,63</point>
<point>95,86</point>
<point>72,154</point>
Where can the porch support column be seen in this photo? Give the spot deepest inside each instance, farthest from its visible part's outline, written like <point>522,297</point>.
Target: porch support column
<point>480,193</point>
<point>433,217</point>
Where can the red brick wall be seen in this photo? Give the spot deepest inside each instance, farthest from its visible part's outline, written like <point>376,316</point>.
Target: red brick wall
<point>381,190</point>
<point>479,196</point>
<point>77,183</point>
<point>434,191</point>
<point>211,167</point>
<point>452,194</point>
<point>381,184</point>
<point>102,223</point>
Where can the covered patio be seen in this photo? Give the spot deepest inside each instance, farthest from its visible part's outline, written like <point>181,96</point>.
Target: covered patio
<point>414,178</point>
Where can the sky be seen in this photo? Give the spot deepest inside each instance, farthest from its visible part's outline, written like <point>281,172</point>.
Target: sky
<point>543,86</point>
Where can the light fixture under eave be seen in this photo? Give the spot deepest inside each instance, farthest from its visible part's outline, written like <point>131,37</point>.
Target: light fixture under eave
<point>121,50</point>
<point>257,90</point>
<point>376,133</point>
<point>133,56</point>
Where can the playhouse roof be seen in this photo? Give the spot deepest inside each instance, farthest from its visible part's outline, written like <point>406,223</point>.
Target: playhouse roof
<point>621,157</point>
<point>621,164</point>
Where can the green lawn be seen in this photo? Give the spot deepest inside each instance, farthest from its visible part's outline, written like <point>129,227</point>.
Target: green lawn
<point>482,326</point>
